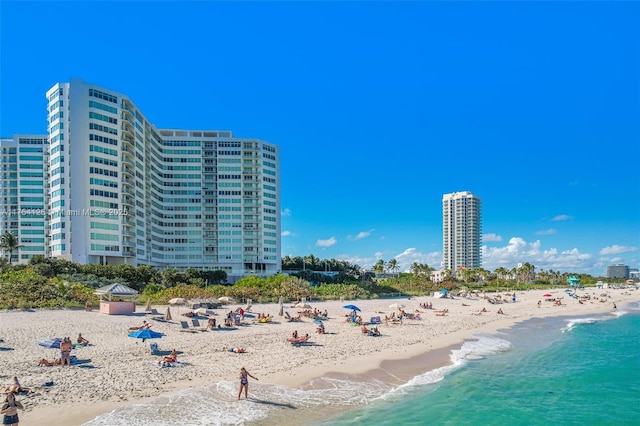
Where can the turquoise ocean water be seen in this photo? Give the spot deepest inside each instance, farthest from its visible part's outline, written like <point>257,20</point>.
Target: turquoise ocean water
<point>561,371</point>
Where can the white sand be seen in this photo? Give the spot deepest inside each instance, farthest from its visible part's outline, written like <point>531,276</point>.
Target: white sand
<point>118,372</point>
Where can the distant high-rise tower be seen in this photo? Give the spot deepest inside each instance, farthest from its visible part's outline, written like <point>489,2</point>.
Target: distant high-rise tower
<point>461,231</point>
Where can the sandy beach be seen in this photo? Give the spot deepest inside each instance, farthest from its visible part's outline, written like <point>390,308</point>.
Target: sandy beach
<point>116,369</point>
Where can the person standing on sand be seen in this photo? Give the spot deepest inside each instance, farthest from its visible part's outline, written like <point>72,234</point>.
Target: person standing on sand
<point>10,410</point>
<point>65,351</point>
<point>244,382</point>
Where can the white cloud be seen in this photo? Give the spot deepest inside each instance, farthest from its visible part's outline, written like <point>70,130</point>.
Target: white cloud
<point>405,259</point>
<point>550,231</point>
<point>326,243</point>
<point>286,212</point>
<point>562,217</point>
<point>287,234</point>
<point>361,235</point>
<point>520,251</point>
<point>491,238</point>
<point>616,249</point>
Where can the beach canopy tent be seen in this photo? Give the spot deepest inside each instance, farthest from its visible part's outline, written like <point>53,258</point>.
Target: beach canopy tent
<point>117,299</point>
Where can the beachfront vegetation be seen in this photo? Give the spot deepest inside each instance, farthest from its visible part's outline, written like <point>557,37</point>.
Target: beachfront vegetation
<point>53,283</point>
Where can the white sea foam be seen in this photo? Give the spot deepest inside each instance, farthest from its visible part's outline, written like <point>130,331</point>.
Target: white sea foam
<point>470,350</point>
<point>590,320</point>
<point>218,405</point>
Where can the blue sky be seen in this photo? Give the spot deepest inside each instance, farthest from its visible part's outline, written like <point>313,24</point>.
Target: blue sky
<point>379,108</point>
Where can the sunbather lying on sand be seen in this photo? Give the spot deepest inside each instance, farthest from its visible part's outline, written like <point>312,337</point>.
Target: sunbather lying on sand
<point>16,387</point>
<point>299,339</point>
<point>46,363</point>
<point>143,326</point>
<point>234,350</point>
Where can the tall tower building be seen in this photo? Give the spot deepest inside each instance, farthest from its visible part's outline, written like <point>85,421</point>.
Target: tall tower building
<point>24,194</point>
<point>120,190</point>
<point>461,231</point>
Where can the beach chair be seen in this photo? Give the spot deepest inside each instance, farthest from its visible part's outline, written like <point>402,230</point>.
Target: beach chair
<point>196,324</point>
<point>184,326</point>
<point>154,314</point>
<point>375,320</point>
<point>154,349</point>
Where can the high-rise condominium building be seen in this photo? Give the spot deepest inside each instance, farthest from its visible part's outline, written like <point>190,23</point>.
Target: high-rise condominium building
<point>23,193</point>
<point>461,231</point>
<point>119,190</point>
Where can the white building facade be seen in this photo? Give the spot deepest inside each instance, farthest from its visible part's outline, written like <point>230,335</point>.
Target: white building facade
<point>121,190</point>
<point>461,231</point>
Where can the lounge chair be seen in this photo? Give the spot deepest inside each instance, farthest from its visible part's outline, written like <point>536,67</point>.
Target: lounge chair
<point>196,324</point>
<point>263,320</point>
<point>290,318</point>
<point>155,315</point>
<point>185,327</point>
<point>375,320</point>
<point>154,349</point>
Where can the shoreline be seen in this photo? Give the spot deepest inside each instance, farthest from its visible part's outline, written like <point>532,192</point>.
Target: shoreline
<point>397,356</point>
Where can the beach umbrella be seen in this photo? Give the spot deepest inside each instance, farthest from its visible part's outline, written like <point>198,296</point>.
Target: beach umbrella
<point>53,343</point>
<point>352,307</point>
<point>281,300</point>
<point>396,306</point>
<point>167,316</point>
<point>148,307</point>
<point>145,334</point>
<point>302,306</point>
<point>226,300</point>
<point>546,295</point>
<point>178,301</point>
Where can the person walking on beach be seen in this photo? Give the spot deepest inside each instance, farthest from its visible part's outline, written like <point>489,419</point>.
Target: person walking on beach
<point>244,382</point>
<point>10,410</point>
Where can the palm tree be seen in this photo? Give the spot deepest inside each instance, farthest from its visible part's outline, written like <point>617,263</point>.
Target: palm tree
<point>392,265</point>
<point>379,266</point>
<point>9,243</point>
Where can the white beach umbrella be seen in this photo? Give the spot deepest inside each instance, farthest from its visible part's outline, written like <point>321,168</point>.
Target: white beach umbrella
<point>396,306</point>
<point>226,299</point>
<point>178,301</point>
<point>302,306</point>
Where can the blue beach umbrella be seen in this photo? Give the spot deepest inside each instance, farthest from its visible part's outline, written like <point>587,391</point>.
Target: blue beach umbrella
<point>145,334</point>
<point>352,307</point>
<point>53,343</point>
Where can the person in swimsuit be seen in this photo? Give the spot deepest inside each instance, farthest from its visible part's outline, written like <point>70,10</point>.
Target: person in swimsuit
<point>244,382</point>
<point>10,410</point>
<point>173,357</point>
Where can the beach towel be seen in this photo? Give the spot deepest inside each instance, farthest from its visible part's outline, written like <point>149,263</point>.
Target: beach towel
<point>170,364</point>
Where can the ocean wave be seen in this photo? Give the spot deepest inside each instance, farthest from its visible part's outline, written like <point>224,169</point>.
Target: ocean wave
<point>478,348</point>
<point>590,320</point>
<point>218,404</point>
